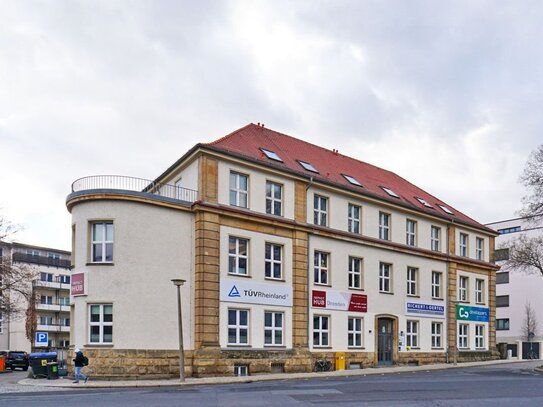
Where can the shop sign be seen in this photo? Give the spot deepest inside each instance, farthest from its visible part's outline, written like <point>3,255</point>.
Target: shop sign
<point>77,282</point>
<point>255,293</point>
<point>467,313</point>
<point>424,309</point>
<point>339,301</point>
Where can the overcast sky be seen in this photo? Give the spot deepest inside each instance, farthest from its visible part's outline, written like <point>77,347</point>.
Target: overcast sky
<point>446,94</point>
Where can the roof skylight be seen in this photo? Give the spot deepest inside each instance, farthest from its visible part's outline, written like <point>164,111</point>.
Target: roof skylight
<point>308,166</point>
<point>390,192</point>
<point>271,155</point>
<point>352,180</point>
<point>445,209</point>
<point>424,202</point>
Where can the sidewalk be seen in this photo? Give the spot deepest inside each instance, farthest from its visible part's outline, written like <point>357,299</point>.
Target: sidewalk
<point>96,383</point>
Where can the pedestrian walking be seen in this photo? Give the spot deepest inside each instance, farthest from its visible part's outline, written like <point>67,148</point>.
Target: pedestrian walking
<point>80,361</point>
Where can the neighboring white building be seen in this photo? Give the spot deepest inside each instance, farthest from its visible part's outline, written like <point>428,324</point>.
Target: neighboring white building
<point>515,289</point>
<point>290,253</point>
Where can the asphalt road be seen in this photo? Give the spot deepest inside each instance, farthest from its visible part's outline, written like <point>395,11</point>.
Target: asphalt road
<point>515,384</point>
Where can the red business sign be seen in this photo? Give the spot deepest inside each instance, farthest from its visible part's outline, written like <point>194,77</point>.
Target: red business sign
<point>78,284</point>
<point>339,301</point>
<point>358,303</point>
<point>319,299</point>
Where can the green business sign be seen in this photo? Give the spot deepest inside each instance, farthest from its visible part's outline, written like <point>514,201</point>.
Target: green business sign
<point>467,313</point>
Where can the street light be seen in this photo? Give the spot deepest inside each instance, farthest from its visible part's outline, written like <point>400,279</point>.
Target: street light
<point>178,283</point>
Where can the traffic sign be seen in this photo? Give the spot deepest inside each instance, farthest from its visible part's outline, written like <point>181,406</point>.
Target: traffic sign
<point>42,338</point>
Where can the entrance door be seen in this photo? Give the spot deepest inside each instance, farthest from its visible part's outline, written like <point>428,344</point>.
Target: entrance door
<point>384,342</point>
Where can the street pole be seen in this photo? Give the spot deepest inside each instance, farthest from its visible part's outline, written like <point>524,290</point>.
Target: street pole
<point>178,283</point>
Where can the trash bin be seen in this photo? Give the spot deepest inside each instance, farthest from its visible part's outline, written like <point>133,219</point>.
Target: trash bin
<point>340,360</point>
<point>52,370</point>
<point>38,363</point>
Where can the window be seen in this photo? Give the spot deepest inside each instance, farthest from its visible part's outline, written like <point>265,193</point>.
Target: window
<point>384,225</point>
<point>501,254</point>
<point>53,256</point>
<point>479,248</point>
<point>238,255</point>
<point>46,321</point>
<point>435,239</point>
<point>412,334</point>
<point>463,330</point>
<point>410,232</point>
<point>412,277</point>
<point>307,166</point>
<point>437,330</point>
<point>463,282</point>
<point>274,198</point>
<point>385,271</point>
<point>48,277</point>
<point>46,299</point>
<point>352,180</point>
<point>355,272</point>
<point>509,230</point>
<point>64,343</point>
<point>320,210</point>
<point>502,277</point>
<point>273,328</point>
<point>463,246</point>
<point>479,336</point>
<point>65,321</point>
<point>241,370</point>
<point>101,323</point>
<point>271,155</point>
<point>354,332</point>
<point>35,253</point>
<point>321,268</point>
<point>64,300</point>
<point>239,191</point>
<point>502,301</point>
<point>102,242</point>
<point>446,210</point>
<point>436,284</point>
<point>502,324</point>
<point>424,202</point>
<point>238,327</point>
<point>273,262</point>
<point>479,291</point>
<point>321,330</point>
<point>353,217</point>
<point>390,192</point>
<point>64,279</point>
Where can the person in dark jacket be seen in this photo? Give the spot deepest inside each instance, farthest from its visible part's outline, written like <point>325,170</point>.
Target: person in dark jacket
<point>79,362</point>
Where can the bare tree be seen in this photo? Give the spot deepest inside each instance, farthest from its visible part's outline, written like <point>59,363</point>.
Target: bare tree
<point>532,178</point>
<point>529,324</point>
<point>525,254</point>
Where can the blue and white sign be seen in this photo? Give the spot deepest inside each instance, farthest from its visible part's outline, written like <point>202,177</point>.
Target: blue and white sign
<point>42,338</point>
<point>255,293</point>
<point>422,309</point>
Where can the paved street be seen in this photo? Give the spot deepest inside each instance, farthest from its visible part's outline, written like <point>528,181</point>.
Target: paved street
<point>515,384</point>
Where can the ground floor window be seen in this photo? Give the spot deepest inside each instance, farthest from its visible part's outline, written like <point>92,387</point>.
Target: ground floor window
<point>437,331</point>
<point>463,330</point>
<point>412,334</point>
<point>479,336</point>
<point>273,328</point>
<point>238,327</point>
<point>321,330</point>
<point>101,323</point>
<point>354,332</point>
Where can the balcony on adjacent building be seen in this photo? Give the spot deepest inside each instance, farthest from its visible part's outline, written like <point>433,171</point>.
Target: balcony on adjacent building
<point>40,260</point>
<point>53,328</point>
<point>55,285</point>
<point>54,306</point>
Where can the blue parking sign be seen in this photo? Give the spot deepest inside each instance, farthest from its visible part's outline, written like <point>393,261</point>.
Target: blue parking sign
<point>42,338</point>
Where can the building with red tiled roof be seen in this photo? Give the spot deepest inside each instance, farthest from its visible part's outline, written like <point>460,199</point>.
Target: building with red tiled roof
<point>290,253</point>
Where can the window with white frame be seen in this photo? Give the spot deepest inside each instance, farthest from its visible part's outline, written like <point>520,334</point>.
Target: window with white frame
<point>64,343</point>
<point>437,278</point>
<point>463,245</point>
<point>53,256</point>
<point>437,332</point>
<point>463,283</point>
<point>411,232</point>
<point>273,328</point>
<point>479,291</point>
<point>385,277</point>
<point>273,261</point>
<point>238,255</point>
<point>355,272</point>
<point>65,321</point>
<point>102,242</point>
<point>64,300</point>
<point>64,279</point>
<point>354,332</point>
<point>384,226</point>
<point>239,189</point>
<point>479,336</point>
<point>320,210</point>
<point>435,239</point>
<point>412,278</point>
<point>321,330</point>
<point>412,334</point>
<point>353,218</point>
<point>479,248</point>
<point>463,336</point>
<point>320,275</point>
<point>46,299</point>
<point>101,323</point>
<point>274,198</point>
<point>238,327</point>
<point>47,277</point>
<point>46,320</point>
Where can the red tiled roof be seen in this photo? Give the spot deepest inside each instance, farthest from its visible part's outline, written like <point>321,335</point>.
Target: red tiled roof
<point>248,141</point>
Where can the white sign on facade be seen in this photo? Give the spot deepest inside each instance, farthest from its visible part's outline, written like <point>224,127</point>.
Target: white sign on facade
<point>424,309</point>
<point>255,293</point>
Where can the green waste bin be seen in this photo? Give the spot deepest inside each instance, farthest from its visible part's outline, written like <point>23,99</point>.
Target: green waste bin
<point>52,371</point>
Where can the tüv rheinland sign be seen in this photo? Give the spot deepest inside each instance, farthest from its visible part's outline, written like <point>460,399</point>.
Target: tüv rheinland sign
<point>255,293</point>
<point>467,313</point>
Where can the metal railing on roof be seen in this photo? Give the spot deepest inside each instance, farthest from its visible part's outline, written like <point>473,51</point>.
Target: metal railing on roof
<point>121,182</point>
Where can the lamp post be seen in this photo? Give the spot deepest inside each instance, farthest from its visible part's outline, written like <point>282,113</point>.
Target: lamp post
<point>178,283</point>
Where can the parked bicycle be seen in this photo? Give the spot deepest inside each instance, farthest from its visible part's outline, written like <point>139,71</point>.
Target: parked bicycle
<point>323,365</point>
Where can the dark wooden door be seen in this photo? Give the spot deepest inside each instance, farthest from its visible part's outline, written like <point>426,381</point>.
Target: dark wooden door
<point>384,342</point>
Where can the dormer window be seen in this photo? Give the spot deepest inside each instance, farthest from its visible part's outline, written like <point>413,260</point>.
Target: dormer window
<point>390,192</point>
<point>271,155</point>
<point>352,180</point>
<point>424,202</point>
<point>445,209</point>
<point>308,166</point>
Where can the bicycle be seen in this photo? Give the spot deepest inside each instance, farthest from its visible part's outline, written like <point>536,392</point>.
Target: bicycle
<point>323,365</point>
